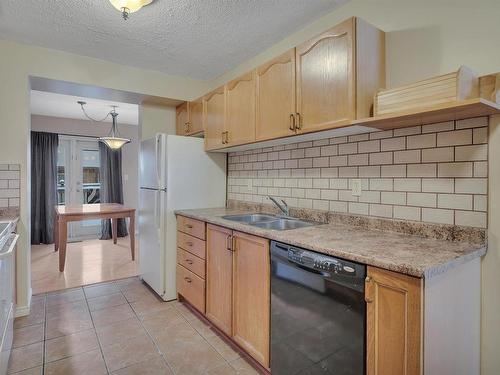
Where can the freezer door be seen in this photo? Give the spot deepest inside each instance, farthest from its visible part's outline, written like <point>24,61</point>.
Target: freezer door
<point>151,239</point>
<point>152,163</point>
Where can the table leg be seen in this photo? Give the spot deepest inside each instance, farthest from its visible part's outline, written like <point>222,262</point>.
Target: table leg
<point>131,230</point>
<point>63,238</point>
<point>56,233</point>
<point>114,229</point>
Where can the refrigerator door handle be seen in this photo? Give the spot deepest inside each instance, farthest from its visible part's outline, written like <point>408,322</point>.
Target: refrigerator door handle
<point>156,213</point>
<point>158,160</point>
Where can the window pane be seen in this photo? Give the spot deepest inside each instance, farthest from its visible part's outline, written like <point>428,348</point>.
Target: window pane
<point>91,185</point>
<point>61,175</point>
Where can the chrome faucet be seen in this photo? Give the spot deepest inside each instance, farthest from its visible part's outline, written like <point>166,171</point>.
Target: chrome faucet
<point>282,206</point>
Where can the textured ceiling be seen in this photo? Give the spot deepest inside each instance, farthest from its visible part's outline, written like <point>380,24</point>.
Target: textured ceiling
<point>194,38</point>
<point>66,106</point>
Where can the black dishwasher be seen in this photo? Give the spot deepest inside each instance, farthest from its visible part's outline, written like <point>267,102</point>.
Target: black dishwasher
<point>318,313</point>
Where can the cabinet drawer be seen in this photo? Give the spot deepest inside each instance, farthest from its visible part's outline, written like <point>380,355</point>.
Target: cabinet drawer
<point>190,226</point>
<point>191,287</point>
<point>191,262</point>
<point>192,244</point>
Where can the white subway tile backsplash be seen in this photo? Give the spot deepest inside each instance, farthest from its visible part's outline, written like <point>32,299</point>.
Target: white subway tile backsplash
<point>434,173</point>
<point>10,185</point>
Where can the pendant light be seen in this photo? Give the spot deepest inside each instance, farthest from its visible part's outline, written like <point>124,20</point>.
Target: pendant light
<point>113,139</point>
<point>129,6</point>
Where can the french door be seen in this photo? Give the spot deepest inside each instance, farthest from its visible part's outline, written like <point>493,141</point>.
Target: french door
<point>78,181</point>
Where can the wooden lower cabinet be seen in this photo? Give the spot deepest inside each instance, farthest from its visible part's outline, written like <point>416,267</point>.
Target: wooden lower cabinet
<point>394,323</point>
<point>219,277</point>
<point>251,295</point>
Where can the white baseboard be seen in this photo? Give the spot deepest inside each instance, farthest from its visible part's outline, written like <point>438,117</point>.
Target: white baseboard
<point>24,310</point>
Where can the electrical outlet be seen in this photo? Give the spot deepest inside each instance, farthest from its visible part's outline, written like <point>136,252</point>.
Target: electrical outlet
<point>356,187</point>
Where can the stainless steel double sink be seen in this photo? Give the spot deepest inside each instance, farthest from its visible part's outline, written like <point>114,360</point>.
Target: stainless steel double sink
<point>267,221</point>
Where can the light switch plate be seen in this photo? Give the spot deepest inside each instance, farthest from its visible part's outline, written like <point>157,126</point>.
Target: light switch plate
<point>356,187</point>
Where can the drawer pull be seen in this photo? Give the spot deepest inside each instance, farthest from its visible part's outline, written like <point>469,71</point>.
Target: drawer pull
<point>189,243</point>
<point>189,226</point>
<point>188,279</point>
<point>189,261</point>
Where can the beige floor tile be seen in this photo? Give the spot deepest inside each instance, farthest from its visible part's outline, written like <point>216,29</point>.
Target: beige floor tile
<point>69,310</point>
<point>139,292</point>
<point>156,366</point>
<point>26,357</point>
<point>228,352</point>
<point>128,283</point>
<point>70,345</point>
<point>31,371</point>
<point>65,296</point>
<point>112,315</point>
<point>126,353</point>
<point>28,335</point>
<point>149,306</point>
<point>203,328</point>
<point>99,290</point>
<point>66,326</point>
<point>186,312</point>
<point>120,331</point>
<point>196,358</point>
<point>104,302</point>
<point>89,363</point>
<point>224,369</point>
<point>243,367</point>
<point>175,338</point>
<point>159,321</point>
<point>36,316</point>
<point>87,262</point>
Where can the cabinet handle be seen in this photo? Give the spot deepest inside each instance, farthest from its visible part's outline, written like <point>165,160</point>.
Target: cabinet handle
<point>292,122</point>
<point>299,121</point>
<point>368,281</point>
<point>189,261</point>
<point>223,141</point>
<point>229,243</point>
<point>188,279</point>
<point>186,127</point>
<point>189,243</point>
<point>189,226</point>
<point>227,137</point>
<point>233,243</point>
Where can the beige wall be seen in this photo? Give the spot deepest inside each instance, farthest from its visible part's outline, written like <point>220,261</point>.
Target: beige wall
<point>17,63</point>
<point>423,38</point>
<point>156,119</point>
<point>130,151</point>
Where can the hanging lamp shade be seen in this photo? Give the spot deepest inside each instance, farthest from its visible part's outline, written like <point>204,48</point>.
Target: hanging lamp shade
<point>129,6</point>
<point>113,140</point>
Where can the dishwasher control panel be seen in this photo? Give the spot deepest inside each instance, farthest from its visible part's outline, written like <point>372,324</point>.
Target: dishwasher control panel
<point>321,262</point>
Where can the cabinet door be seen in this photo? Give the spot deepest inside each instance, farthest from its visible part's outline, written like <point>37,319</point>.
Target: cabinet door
<point>213,118</point>
<point>219,277</point>
<point>182,119</point>
<point>240,110</point>
<point>394,323</point>
<point>195,117</point>
<point>251,295</point>
<point>276,97</point>
<point>325,79</point>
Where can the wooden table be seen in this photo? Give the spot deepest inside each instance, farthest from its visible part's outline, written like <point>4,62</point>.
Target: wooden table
<point>113,211</point>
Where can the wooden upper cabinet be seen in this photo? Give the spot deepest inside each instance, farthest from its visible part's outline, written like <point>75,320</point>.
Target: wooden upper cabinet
<point>214,105</point>
<point>240,110</point>
<point>251,295</point>
<point>325,79</point>
<point>337,75</point>
<point>394,323</point>
<point>195,117</point>
<point>181,119</point>
<point>276,97</point>
<point>219,277</point>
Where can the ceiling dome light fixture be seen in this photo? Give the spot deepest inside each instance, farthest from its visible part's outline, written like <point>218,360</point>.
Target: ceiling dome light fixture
<point>113,140</point>
<point>129,6</point>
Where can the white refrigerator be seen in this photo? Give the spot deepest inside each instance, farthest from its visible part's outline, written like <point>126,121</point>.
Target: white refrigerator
<point>175,173</point>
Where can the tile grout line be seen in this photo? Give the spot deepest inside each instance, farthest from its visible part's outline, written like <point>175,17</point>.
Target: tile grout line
<point>95,331</point>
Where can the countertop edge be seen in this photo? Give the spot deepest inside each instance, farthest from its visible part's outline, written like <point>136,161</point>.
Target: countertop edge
<point>407,269</point>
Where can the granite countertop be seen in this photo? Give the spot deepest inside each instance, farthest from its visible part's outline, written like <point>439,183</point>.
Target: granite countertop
<point>411,255</point>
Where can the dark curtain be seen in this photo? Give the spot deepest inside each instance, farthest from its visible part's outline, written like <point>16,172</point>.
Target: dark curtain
<point>111,187</point>
<point>43,186</point>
